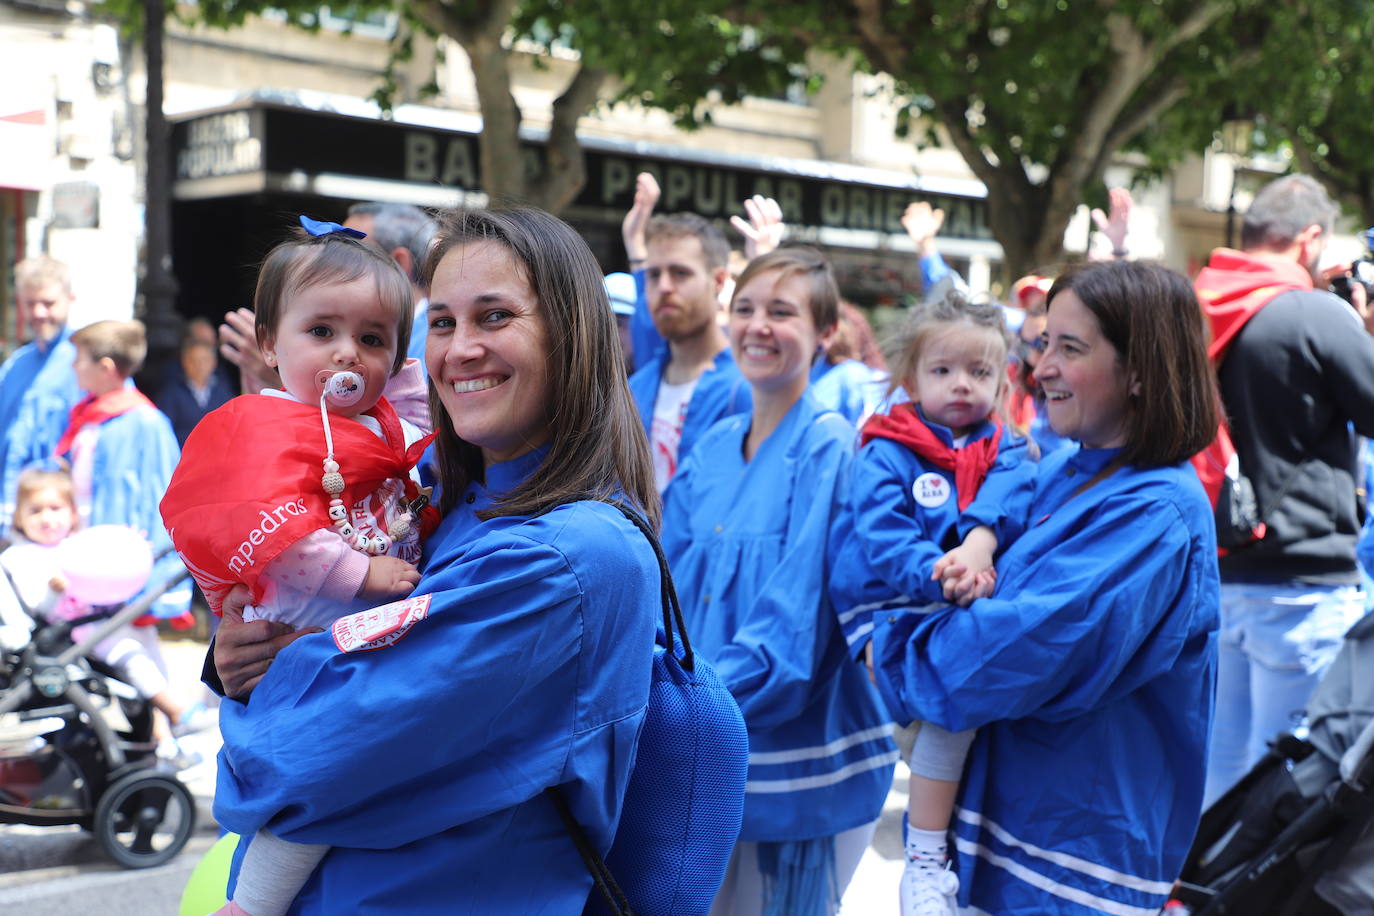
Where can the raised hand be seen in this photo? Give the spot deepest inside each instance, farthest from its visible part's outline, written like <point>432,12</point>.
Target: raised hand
<point>764,229</point>
<point>636,222</point>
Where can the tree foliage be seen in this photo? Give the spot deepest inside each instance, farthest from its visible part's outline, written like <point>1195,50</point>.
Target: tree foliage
<point>1326,114</point>
<point>1039,97</point>
<point>656,53</point>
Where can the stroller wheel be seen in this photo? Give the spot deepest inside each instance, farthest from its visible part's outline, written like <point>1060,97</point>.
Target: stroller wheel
<point>144,819</point>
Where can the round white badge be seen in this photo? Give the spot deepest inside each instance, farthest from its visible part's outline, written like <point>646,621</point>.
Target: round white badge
<point>931,490</point>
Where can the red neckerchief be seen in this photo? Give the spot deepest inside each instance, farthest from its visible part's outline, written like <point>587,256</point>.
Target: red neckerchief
<point>248,484</point>
<point>1234,286</point>
<point>97,409</point>
<point>970,464</point>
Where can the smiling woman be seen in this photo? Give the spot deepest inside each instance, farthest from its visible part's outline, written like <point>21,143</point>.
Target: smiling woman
<point>746,525</point>
<point>417,740</point>
<point>1089,672</point>
<point>517,360</point>
<point>486,351</point>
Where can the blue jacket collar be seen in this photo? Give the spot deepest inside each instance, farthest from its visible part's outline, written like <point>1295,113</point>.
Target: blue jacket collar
<point>1092,460</point>
<point>51,345</point>
<point>507,475</point>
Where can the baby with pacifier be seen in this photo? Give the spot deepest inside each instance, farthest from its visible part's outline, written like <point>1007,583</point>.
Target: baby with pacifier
<point>307,495</point>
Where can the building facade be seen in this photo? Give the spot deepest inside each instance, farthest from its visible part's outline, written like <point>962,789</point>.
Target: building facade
<point>270,121</point>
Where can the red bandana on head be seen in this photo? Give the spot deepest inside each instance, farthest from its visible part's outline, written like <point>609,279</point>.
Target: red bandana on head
<point>97,409</point>
<point>229,518</point>
<point>970,464</point>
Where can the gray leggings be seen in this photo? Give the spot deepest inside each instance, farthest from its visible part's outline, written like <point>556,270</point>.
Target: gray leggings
<point>934,752</point>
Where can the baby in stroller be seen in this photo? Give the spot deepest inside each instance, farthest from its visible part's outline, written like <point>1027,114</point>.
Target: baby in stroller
<point>45,514</point>
<point>76,739</point>
<point>1293,836</point>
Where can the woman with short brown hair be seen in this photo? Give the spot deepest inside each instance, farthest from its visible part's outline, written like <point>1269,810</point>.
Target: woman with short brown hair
<point>1089,673</point>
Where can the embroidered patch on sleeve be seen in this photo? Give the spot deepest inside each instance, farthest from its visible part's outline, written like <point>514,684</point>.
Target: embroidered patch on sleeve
<point>379,627</point>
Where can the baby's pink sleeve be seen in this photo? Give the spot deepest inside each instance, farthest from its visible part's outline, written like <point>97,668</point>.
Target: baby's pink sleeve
<point>408,392</point>
<point>320,564</point>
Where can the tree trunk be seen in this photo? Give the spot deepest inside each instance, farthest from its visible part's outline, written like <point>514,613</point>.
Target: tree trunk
<point>157,288</point>
<point>565,165</point>
<point>480,29</point>
<point>500,153</point>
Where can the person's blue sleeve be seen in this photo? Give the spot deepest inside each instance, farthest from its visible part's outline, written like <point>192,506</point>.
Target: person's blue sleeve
<point>644,337</point>
<point>1364,547</point>
<point>842,388</point>
<point>41,419</point>
<point>896,543</point>
<point>771,665</point>
<point>678,499</point>
<point>484,703</point>
<point>938,279</point>
<point>933,269</point>
<point>1004,500</point>
<point>1088,622</point>
<point>7,384</point>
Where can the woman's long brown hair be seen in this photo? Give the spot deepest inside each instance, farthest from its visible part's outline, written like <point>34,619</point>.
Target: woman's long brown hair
<point>597,447</point>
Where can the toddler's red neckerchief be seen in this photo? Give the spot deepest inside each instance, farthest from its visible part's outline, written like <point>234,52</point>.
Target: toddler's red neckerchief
<point>970,464</point>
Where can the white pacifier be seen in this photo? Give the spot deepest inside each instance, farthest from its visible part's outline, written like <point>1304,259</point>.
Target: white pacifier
<point>342,389</point>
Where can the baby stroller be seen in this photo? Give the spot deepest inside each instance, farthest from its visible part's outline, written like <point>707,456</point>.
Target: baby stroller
<point>1292,837</point>
<point>77,746</point>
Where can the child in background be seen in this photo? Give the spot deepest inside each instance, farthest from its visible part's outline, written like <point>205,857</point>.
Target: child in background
<point>918,469</point>
<point>121,451</point>
<point>45,514</point>
<point>306,494</point>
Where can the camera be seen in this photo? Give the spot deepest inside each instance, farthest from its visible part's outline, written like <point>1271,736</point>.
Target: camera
<point>1361,271</point>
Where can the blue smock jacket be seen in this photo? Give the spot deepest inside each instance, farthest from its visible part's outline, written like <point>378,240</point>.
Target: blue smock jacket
<point>747,542</point>
<point>1090,677</point>
<point>885,545</point>
<point>424,762</point>
<point>850,388</point>
<point>721,392</point>
<point>135,455</point>
<point>37,393</point>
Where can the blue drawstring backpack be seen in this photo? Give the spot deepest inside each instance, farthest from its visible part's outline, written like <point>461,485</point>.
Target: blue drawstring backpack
<point>685,800</point>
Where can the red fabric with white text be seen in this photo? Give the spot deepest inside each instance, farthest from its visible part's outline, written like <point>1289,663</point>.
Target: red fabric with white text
<point>248,484</point>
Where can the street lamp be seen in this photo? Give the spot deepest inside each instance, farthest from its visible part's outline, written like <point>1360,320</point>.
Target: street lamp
<point>1236,131</point>
<point>157,286</point>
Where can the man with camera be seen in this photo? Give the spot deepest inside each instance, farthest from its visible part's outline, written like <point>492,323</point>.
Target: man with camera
<point>1296,371</point>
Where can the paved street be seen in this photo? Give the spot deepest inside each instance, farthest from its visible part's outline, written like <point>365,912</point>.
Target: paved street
<point>59,871</point>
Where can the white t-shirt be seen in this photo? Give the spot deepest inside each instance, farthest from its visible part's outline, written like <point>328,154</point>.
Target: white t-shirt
<point>670,409</point>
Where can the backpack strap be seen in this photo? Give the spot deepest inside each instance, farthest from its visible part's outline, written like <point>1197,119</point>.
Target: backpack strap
<point>605,882</point>
<point>601,874</point>
<point>672,608</point>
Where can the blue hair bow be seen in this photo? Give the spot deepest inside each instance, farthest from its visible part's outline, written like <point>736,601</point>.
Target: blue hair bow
<point>319,227</point>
